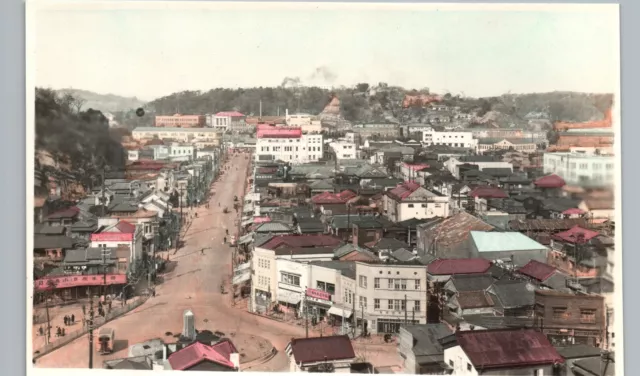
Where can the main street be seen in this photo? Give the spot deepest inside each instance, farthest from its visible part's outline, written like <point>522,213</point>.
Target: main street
<point>194,283</point>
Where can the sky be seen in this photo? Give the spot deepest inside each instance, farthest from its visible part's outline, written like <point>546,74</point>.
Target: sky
<point>150,53</point>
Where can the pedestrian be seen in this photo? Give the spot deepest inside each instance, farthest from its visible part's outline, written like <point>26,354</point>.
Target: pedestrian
<point>41,331</point>
<point>153,292</point>
<point>84,310</point>
<point>58,331</point>
<point>202,251</point>
<point>66,320</point>
<point>225,240</point>
<point>63,332</point>
<point>73,318</point>
<point>109,305</point>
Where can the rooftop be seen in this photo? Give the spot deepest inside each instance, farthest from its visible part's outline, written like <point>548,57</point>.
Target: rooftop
<point>300,241</point>
<point>474,299</point>
<point>576,234</point>
<point>458,266</point>
<point>537,270</point>
<point>504,242</point>
<point>196,352</point>
<point>426,338</point>
<point>471,282</point>
<point>550,181</point>
<point>318,349</point>
<point>505,348</point>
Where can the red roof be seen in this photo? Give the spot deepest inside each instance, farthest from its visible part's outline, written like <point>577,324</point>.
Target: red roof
<point>573,211</point>
<point>416,167</point>
<point>268,131</point>
<point>318,349</point>
<point>573,235</point>
<point>257,220</point>
<point>458,266</point>
<point>333,198</point>
<point>404,190</point>
<point>537,270</point>
<point>230,113</point>
<point>301,241</point>
<point>550,181</point>
<point>507,348</point>
<point>126,227</point>
<point>488,192</point>
<point>196,352</point>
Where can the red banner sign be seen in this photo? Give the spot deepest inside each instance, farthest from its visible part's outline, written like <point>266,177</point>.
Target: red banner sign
<point>111,237</point>
<point>318,294</point>
<point>62,282</point>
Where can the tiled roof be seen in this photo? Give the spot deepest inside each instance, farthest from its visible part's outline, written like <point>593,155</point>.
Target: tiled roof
<point>196,352</point>
<point>318,349</point>
<point>230,113</point>
<point>491,349</point>
<point>545,224</point>
<point>273,227</point>
<point>458,266</point>
<point>71,212</point>
<point>52,241</point>
<point>48,230</point>
<point>514,294</point>
<point>537,270</point>
<point>333,198</point>
<point>301,241</point>
<point>573,235</point>
<point>471,282</point>
<point>488,192</point>
<point>550,181</point>
<point>474,299</point>
<point>404,190</point>
<point>267,131</point>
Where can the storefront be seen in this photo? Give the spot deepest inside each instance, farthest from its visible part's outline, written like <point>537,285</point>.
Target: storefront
<point>318,302</point>
<point>339,315</point>
<point>262,300</point>
<point>289,301</point>
<point>392,325</point>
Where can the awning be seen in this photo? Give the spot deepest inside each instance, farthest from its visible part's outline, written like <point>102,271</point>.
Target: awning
<point>346,313</point>
<point>246,239</point>
<point>290,299</point>
<point>247,222</point>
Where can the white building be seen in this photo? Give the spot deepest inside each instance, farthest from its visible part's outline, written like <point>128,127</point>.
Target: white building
<point>287,145</point>
<point>390,295</point>
<point>177,134</point>
<point>481,161</point>
<point>181,152</point>
<point>410,200</point>
<point>581,169</point>
<point>226,119</point>
<point>454,139</point>
<point>344,149</point>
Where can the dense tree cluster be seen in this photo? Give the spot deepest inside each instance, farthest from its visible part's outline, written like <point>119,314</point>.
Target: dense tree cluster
<point>76,138</point>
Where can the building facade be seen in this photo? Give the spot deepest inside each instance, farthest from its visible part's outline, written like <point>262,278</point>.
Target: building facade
<point>287,145</point>
<point>180,121</point>
<point>344,149</point>
<point>390,295</point>
<point>178,134</point>
<point>517,144</point>
<point>454,139</point>
<point>581,169</point>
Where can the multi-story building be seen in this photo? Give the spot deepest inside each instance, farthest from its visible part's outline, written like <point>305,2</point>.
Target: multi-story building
<point>390,295</point>
<point>410,200</point>
<point>531,135</point>
<point>522,145</point>
<point>225,120</point>
<point>570,319</point>
<point>287,145</point>
<point>454,139</point>
<point>178,134</point>
<point>581,169</point>
<point>344,149</point>
<point>181,152</point>
<point>482,161</point>
<point>180,121</point>
<point>383,131</point>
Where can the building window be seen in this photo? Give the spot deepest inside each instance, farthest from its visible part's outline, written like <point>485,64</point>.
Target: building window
<point>403,285</point>
<point>290,279</point>
<point>410,205</point>
<point>560,313</point>
<point>469,367</point>
<point>376,283</point>
<point>396,304</point>
<point>390,283</point>
<point>588,316</point>
<point>416,306</point>
<point>363,302</point>
<point>390,304</point>
<point>362,281</point>
<point>376,303</point>
<point>396,284</point>
<point>417,284</point>
<point>451,363</point>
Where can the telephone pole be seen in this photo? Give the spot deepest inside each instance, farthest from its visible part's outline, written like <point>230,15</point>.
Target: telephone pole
<point>405,309</point>
<point>306,316</point>
<point>104,201</point>
<point>90,324</point>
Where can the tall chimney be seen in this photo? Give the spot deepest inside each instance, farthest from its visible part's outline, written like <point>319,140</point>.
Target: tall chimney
<point>189,328</point>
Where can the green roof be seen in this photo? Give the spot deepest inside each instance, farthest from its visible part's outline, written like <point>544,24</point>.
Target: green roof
<point>504,241</point>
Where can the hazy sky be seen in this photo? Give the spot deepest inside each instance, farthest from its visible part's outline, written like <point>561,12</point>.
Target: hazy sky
<point>150,53</point>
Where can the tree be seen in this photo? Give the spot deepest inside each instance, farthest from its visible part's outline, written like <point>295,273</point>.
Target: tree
<point>362,87</point>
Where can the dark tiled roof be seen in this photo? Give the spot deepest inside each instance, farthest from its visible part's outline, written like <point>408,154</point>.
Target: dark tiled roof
<point>346,268</point>
<point>303,251</point>
<point>295,241</point>
<point>474,299</point>
<point>595,366</point>
<point>48,230</point>
<point>52,241</point>
<point>456,229</point>
<point>498,322</point>
<point>546,224</point>
<point>308,350</point>
<point>131,364</point>
<point>498,172</point>
<point>559,204</point>
<point>514,294</point>
<point>403,255</point>
<point>426,338</point>
<point>71,212</point>
<point>490,349</point>
<point>488,192</point>
<point>472,282</point>
<point>389,243</point>
<point>310,225</point>
<point>578,351</point>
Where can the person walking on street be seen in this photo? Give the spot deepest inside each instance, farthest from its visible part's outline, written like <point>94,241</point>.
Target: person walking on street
<point>225,240</point>
<point>73,318</point>
<point>66,320</point>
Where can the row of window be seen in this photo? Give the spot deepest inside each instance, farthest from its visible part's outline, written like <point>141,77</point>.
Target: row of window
<point>288,148</point>
<point>391,305</point>
<point>264,281</point>
<point>587,316</point>
<point>391,283</point>
<point>264,263</point>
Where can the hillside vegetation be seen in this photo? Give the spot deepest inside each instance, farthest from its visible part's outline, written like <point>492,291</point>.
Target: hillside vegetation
<point>102,102</point>
<point>78,142</point>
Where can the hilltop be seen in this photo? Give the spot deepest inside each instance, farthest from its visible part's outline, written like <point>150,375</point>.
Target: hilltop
<point>103,102</point>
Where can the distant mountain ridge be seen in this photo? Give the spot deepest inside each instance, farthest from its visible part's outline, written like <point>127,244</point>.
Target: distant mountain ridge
<point>104,102</point>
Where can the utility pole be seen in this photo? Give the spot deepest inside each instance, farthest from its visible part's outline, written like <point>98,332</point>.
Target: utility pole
<point>405,309</point>
<point>104,201</point>
<point>105,252</point>
<point>306,315</point>
<point>355,314</point>
<point>90,324</point>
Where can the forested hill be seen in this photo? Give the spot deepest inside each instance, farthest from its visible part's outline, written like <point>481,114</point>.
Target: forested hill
<point>102,102</point>
<point>365,103</point>
<point>78,142</point>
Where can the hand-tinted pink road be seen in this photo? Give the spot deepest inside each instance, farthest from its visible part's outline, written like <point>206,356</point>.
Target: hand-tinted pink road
<point>194,283</point>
